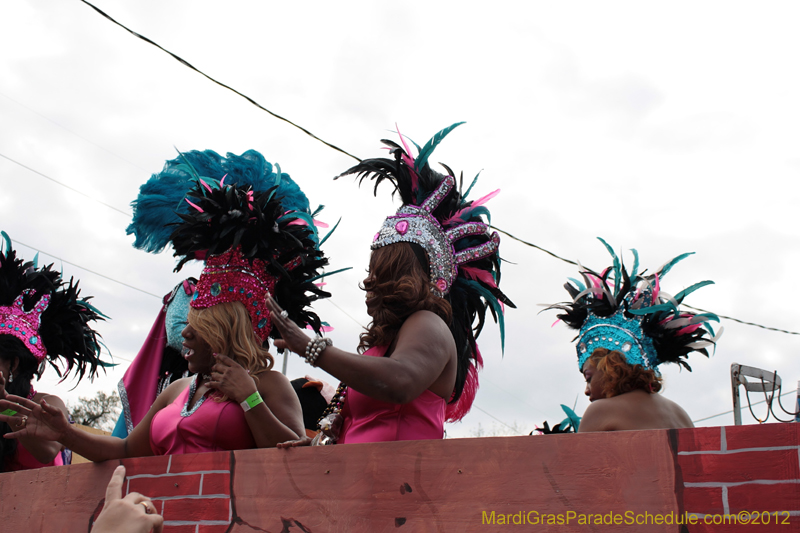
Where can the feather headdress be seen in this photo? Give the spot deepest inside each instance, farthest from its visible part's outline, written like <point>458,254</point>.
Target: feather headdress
<point>631,314</point>
<point>462,255</point>
<point>47,315</point>
<point>251,225</point>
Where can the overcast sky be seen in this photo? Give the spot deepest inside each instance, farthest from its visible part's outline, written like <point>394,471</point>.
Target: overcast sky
<point>668,128</point>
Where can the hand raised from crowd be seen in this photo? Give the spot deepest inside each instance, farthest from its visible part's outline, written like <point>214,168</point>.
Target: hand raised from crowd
<point>132,514</point>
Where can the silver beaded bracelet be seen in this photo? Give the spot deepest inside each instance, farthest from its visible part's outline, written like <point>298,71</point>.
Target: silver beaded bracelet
<point>315,347</point>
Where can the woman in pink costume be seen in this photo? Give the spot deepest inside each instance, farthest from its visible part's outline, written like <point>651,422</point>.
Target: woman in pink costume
<point>255,243</point>
<point>434,271</point>
<point>42,318</point>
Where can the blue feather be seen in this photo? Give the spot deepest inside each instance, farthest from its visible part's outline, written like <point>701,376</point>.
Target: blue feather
<point>7,240</point>
<point>635,263</point>
<point>617,272</point>
<point>581,287</point>
<point>471,185</point>
<point>492,301</point>
<point>324,274</point>
<point>572,417</point>
<point>325,238</point>
<point>161,197</point>
<point>681,295</point>
<point>429,147</point>
<point>666,268</point>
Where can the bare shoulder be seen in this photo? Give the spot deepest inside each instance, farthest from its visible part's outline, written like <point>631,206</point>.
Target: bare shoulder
<point>599,416</point>
<point>425,321</point>
<point>51,399</point>
<point>172,391</point>
<point>273,382</point>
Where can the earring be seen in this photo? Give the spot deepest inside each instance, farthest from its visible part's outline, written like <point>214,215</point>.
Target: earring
<point>11,377</point>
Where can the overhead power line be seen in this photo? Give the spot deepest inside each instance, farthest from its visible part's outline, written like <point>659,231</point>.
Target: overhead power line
<point>87,270</point>
<point>26,167</point>
<point>252,101</point>
<point>330,145</point>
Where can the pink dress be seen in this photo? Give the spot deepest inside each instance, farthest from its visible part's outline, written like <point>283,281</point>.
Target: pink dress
<point>209,427</point>
<point>370,420</point>
<point>23,460</point>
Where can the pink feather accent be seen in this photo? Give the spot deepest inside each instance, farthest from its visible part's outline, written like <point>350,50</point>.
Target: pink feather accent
<point>206,185</point>
<point>222,181</point>
<point>323,328</point>
<point>457,215</point>
<point>458,410</point>
<point>688,329</point>
<point>321,224</point>
<point>193,205</point>
<point>478,274</point>
<point>406,157</point>
<point>556,322</point>
<point>297,222</point>
<point>656,290</point>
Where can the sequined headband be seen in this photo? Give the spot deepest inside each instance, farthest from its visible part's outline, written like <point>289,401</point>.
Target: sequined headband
<point>229,277</point>
<point>617,333</point>
<point>416,224</point>
<point>24,325</point>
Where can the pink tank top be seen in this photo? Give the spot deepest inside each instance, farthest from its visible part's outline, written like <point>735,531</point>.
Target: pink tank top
<point>209,427</point>
<point>370,420</point>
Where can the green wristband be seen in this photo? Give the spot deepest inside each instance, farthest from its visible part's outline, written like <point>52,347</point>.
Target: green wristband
<point>8,412</point>
<point>251,401</point>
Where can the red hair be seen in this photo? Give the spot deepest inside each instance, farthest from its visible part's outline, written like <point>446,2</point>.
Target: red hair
<point>621,377</point>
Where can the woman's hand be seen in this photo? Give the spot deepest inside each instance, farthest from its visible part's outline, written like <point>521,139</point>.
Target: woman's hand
<point>41,421</point>
<point>132,514</point>
<point>231,379</point>
<point>302,441</point>
<point>293,338</point>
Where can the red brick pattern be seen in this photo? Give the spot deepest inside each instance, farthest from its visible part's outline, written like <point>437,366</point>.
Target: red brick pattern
<point>728,470</point>
<point>192,492</point>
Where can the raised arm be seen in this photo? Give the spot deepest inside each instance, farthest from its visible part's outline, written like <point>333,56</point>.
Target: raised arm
<point>47,422</point>
<point>423,350</point>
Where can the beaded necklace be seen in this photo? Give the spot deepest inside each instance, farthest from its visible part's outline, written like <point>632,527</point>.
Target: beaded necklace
<point>192,389</point>
<point>330,423</point>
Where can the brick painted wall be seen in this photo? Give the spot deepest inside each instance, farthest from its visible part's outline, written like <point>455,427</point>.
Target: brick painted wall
<point>735,469</point>
<point>437,485</point>
<point>192,492</point>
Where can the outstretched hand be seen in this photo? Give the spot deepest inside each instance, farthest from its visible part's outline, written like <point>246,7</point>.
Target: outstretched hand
<point>132,514</point>
<point>293,338</point>
<point>41,421</point>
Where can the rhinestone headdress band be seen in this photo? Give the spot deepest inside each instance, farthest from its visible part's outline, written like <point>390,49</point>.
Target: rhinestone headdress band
<point>416,224</point>
<point>229,277</point>
<point>24,325</point>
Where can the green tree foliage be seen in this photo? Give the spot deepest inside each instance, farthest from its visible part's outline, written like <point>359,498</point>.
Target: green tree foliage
<point>100,412</point>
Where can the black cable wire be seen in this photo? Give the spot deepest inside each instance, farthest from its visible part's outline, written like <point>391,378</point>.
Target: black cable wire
<point>187,64</point>
<point>731,410</point>
<point>742,321</point>
<point>87,270</point>
<point>65,185</point>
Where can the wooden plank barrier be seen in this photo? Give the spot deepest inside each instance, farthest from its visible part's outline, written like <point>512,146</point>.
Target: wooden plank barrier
<point>626,481</point>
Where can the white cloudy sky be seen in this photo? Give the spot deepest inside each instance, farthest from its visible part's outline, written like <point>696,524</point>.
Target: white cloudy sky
<point>664,127</point>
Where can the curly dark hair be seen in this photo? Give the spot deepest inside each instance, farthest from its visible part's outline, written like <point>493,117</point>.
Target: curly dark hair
<point>401,284</point>
<point>622,377</point>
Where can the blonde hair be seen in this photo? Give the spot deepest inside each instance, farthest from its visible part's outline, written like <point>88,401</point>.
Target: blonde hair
<point>227,329</point>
